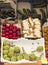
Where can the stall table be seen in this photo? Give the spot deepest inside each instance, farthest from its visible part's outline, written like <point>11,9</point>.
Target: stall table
<point>38,63</point>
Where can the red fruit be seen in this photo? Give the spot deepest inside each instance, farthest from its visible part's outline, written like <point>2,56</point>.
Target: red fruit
<point>4,24</point>
<point>18,36</point>
<point>14,34</point>
<point>7,36</point>
<point>10,32</point>
<point>7,33</point>
<point>10,36</point>
<point>18,29</point>
<point>11,24</point>
<point>15,27</point>
<point>7,25</point>
<point>14,30</point>
<point>46,55</point>
<point>3,31</point>
<point>18,33</point>
<point>3,28</point>
<point>7,29</point>
<point>14,37</point>
<point>10,27</point>
<point>3,34</point>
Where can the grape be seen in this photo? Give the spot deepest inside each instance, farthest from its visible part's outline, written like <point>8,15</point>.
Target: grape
<point>32,57</point>
<point>11,45</point>
<point>5,47</point>
<point>39,48</point>
<point>10,54</point>
<point>7,58</point>
<point>11,49</point>
<point>6,43</point>
<point>38,58</point>
<point>16,49</point>
<point>26,56</point>
<point>5,52</point>
<point>19,57</point>
<point>13,58</point>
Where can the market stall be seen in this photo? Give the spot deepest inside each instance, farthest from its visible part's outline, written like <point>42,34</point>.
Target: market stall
<point>24,32</point>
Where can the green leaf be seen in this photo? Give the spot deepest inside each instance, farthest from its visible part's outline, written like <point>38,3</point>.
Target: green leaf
<point>43,13</point>
<point>21,12</point>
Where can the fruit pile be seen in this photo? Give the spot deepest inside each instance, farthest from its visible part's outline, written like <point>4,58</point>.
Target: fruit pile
<point>46,37</point>
<point>31,28</point>
<point>47,55</point>
<point>39,49</point>
<point>11,31</point>
<point>13,53</point>
<point>10,51</point>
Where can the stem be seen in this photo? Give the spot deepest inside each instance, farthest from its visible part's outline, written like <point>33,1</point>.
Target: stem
<point>23,50</point>
<point>41,55</point>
